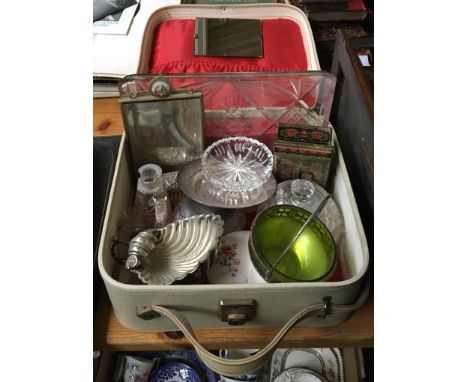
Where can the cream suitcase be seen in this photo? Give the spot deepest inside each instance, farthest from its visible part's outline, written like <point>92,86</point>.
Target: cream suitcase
<point>275,303</point>
<point>183,307</point>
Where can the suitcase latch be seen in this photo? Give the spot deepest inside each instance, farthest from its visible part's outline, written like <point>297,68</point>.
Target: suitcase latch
<point>237,312</point>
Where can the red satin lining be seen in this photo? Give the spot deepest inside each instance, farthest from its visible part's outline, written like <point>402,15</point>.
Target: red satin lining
<point>283,50</point>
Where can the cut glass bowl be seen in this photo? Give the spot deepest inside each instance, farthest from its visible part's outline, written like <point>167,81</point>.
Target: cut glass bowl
<point>237,164</point>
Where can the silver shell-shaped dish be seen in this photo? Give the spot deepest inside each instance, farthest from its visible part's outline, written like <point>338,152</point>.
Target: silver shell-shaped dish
<point>162,256</point>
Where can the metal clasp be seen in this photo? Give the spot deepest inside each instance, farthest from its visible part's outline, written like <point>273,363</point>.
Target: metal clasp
<point>327,308</point>
<point>160,87</point>
<point>146,313</point>
<point>237,312</point>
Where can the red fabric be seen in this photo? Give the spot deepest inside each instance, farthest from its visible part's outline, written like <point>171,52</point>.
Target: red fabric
<point>356,5</point>
<point>283,50</point>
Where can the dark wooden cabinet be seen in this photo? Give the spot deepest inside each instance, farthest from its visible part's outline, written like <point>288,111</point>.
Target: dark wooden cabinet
<point>353,119</point>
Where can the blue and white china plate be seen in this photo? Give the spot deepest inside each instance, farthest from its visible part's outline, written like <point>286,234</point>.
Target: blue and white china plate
<point>175,372</point>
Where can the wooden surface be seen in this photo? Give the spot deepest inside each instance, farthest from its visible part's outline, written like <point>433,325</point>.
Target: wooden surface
<point>109,334</point>
<point>107,119</point>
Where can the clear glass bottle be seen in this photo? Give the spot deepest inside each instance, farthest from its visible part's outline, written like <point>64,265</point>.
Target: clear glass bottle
<point>152,197</point>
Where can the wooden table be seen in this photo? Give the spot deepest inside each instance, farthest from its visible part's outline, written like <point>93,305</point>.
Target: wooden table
<point>109,334</point>
<point>107,119</point>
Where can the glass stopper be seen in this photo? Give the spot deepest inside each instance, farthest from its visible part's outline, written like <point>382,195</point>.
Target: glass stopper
<point>302,190</point>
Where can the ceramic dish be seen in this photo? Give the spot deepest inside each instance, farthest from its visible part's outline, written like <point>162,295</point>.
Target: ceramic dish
<point>299,375</point>
<point>189,357</point>
<point>237,164</point>
<point>326,361</point>
<point>175,372</point>
<point>162,256</point>
<point>192,183</point>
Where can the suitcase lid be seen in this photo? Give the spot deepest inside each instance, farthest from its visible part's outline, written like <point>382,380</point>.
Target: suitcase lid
<point>287,13</point>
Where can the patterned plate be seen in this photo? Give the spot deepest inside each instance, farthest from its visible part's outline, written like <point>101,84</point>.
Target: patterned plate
<point>325,361</point>
<point>298,374</point>
<point>190,357</point>
<point>175,372</point>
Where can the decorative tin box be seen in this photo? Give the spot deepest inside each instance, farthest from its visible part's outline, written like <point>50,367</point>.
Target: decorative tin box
<point>304,152</point>
<point>321,135</point>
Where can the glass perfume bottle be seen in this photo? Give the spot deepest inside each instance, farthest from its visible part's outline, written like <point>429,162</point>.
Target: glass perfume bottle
<point>152,197</point>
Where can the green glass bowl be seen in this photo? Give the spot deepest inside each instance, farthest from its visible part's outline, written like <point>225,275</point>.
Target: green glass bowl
<point>311,258</point>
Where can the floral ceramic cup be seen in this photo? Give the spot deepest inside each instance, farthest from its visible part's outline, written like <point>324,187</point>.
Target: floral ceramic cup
<point>232,263</point>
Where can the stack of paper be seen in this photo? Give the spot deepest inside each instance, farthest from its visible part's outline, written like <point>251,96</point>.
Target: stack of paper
<point>117,55</point>
<point>115,16</point>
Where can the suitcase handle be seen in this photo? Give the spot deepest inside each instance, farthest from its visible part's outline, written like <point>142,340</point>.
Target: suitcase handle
<point>236,367</point>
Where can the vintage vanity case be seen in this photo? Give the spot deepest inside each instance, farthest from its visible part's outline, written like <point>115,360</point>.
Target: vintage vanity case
<point>183,307</point>
<point>238,104</point>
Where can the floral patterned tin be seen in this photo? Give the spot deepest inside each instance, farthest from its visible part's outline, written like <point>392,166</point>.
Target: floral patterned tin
<point>305,133</point>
